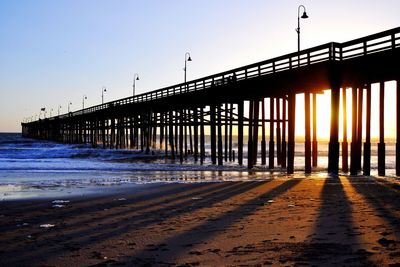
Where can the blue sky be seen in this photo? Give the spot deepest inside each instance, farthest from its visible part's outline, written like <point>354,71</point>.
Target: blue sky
<point>52,52</point>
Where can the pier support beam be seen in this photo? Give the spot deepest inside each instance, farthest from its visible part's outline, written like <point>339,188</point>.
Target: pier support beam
<point>381,144</point>
<point>271,153</point>
<point>171,134</point>
<point>283,159</point>
<point>263,140</point>
<point>196,134</point>
<point>307,143</point>
<point>240,132</point>
<point>353,160</point>
<point>345,145</point>
<point>278,132</point>
<point>250,136</point>
<point>255,132</point>
<point>219,126</point>
<point>213,134</point>
<point>291,132</point>
<point>230,132</point>
<point>398,127</point>
<point>314,131</point>
<point>333,156</point>
<point>202,137</point>
<point>367,144</point>
<point>359,126</point>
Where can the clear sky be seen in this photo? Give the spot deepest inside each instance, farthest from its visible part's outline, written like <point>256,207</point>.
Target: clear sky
<point>52,52</point>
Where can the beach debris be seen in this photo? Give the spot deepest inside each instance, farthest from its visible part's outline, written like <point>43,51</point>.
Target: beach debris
<point>47,225</point>
<point>196,198</point>
<point>385,242</point>
<point>60,201</point>
<point>291,206</point>
<point>271,201</point>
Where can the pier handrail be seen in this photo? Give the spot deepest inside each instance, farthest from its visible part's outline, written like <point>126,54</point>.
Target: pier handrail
<point>333,51</point>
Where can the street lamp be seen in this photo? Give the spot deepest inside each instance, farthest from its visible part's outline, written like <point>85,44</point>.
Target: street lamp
<point>187,58</point>
<point>59,107</point>
<point>83,101</point>
<point>103,90</point>
<point>135,78</point>
<point>69,104</point>
<point>304,16</point>
<point>40,113</point>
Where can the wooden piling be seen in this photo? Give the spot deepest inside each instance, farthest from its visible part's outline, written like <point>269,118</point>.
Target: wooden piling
<point>271,151</point>
<point>230,132</point>
<point>196,134</point>
<point>263,140</point>
<point>250,161</point>
<point>398,127</point>
<point>278,132</point>
<point>314,131</point>
<point>202,137</point>
<point>219,135</point>
<point>181,135</point>
<point>255,131</point>
<point>367,144</point>
<point>333,156</point>
<point>291,132</point>
<point>345,145</point>
<point>226,131</point>
<point>381,144</point>
<point>213,133</point>
<point>359,126</point>
<point>283,151</point>
<point>189,119</point>
<point>171,134</point>
<point>353,156</point>
<point>240,132</point>
<point>307,143</point>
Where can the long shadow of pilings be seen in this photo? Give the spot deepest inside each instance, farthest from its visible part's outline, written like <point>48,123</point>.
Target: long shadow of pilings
<point>383,199</point>
<point>222,221</point>
<point>82,238</point>
<point>95,204</point>
<point>335,239</point>
<point>156,198</point>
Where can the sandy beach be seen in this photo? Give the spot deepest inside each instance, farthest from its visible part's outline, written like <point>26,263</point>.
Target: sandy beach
<point>282,222</point>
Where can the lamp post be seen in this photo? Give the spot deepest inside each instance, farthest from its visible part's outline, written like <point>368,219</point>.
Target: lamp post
<point>304,16</point>
<point>83,101</point>
<point>187,58</point>
<point>59,107</point>
<point>135,78</point>
<point>103,90</point>
<point>69,104</point>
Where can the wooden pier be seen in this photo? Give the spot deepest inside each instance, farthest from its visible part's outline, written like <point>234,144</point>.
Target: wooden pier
<point>181,119</point>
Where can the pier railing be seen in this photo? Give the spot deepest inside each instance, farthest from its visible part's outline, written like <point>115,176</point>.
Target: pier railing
<point>371,44</point>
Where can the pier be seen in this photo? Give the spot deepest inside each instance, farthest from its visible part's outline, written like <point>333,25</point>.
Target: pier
<point>178,119</point>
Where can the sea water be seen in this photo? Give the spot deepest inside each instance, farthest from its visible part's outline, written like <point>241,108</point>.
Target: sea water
<point>31,168</point>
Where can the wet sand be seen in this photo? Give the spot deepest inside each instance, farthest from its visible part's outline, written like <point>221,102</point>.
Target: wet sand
<point>282,222</point>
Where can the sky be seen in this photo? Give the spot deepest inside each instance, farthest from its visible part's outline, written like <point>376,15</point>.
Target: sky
<point>55,52</point>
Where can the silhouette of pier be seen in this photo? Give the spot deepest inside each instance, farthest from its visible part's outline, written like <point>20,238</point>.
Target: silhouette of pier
<point>178,119</point>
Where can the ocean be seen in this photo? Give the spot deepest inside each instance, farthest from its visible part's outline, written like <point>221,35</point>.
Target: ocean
<point>32,168</point>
